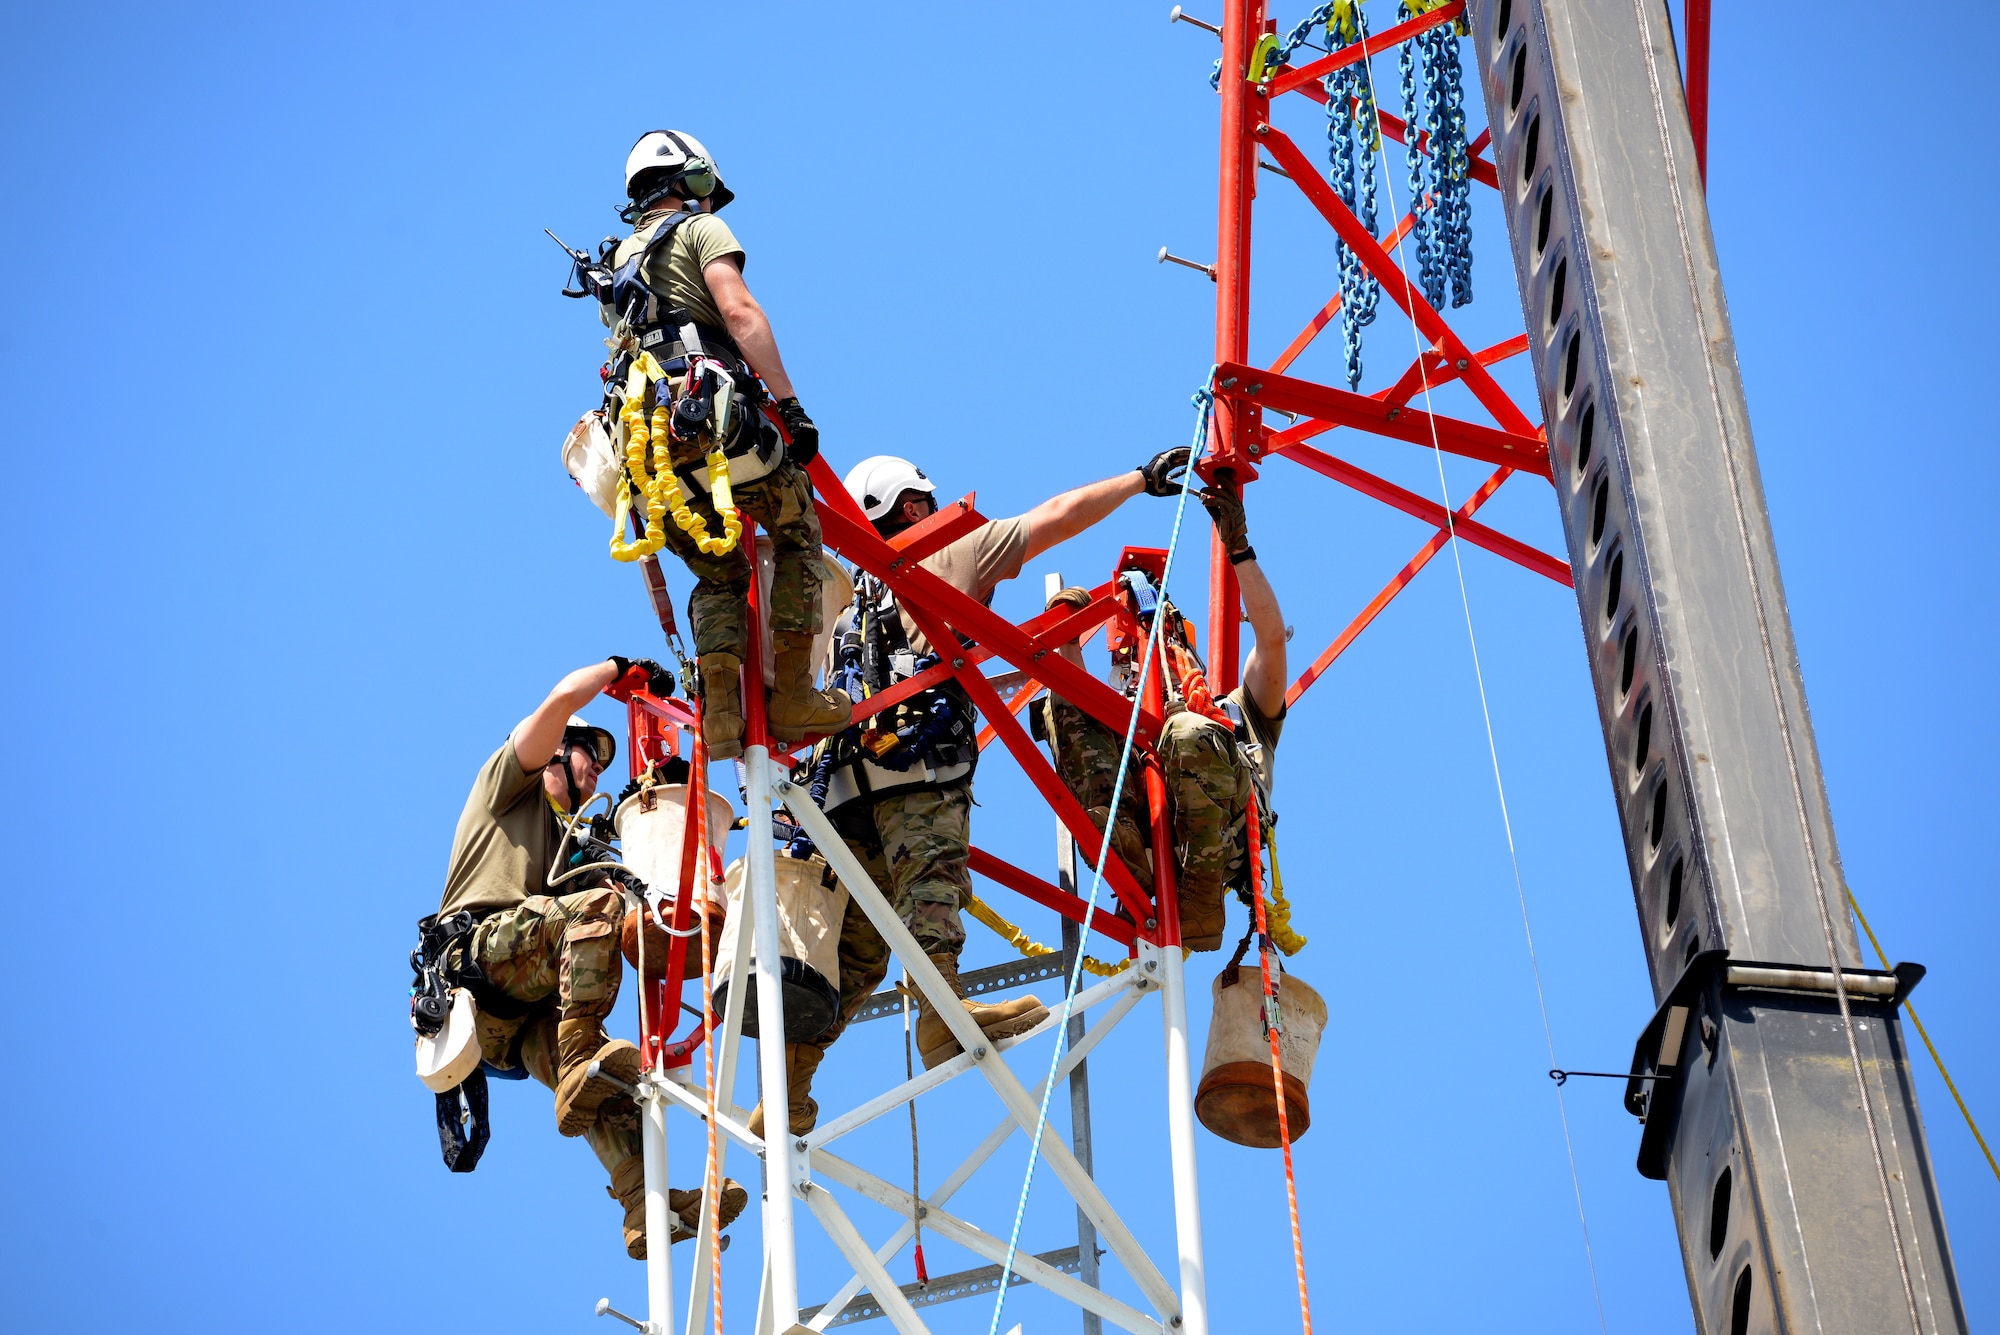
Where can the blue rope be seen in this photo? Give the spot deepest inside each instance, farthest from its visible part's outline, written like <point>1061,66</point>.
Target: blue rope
<point>1204,403</point>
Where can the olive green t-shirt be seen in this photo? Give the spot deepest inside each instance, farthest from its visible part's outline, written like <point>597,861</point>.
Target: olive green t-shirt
<point>506,838</point>
<point>975,564</point>
<point>675,269</point>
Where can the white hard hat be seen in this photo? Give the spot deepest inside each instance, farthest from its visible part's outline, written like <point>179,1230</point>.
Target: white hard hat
<point>878,480</point>
<point>690,170</point>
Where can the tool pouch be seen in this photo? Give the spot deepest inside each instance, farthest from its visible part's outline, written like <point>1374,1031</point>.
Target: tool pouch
<point>754,448</point>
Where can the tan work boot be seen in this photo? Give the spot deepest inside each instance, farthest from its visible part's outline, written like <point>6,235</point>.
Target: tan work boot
<point>797,708</point>
<point>722,705</point>
<point>628,1188</point>
<point>687,1204</point>
<point>1202,914</point>
<point>801,1060</point>
<point>1129,842</point>
<point>935,1040</point>
<point>579,1042</point>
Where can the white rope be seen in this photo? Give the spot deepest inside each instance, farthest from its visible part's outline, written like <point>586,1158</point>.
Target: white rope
<point>1485,711</point>
<point>1205,399</point>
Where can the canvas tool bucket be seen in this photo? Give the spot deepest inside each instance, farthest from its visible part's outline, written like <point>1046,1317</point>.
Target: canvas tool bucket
<point>811,903</point>
<point>650,826</point>
<point>1235,1099</point>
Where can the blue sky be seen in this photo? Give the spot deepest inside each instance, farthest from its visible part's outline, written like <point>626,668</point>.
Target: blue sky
<point>285,375</point>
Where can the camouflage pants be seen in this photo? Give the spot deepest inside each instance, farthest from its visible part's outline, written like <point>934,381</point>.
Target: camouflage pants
<point>915,847</point>
<point>564,946</point>
<point>1208,787</point>
<point>1086,759</point>
<point>560,954</point>
<point>719,608</point>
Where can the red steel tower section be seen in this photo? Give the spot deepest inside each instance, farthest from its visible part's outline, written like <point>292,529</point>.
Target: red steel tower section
<point>1511,442</point>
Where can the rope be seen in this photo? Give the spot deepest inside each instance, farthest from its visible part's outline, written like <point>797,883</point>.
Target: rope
<point>916,1189</point>
<point>1204,403</point>
<point>1923,1034</point>
<point>1493,753</point>
<point>1273,1026</point>
<point>1032,949</point>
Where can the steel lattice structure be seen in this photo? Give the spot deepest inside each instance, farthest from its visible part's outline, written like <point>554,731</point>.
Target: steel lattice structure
<point>1777,1060</point>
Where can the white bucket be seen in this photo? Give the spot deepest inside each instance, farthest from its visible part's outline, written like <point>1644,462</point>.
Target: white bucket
<point>650,825</point>
<point>836,591</point>
<point>1235,1099</point>
<point>811,903</point>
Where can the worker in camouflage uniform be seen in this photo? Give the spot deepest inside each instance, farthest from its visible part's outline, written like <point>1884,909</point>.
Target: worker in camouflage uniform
<point>1211,765</point>
<point>911,828</point>
<point>691,264</point>
<point>549,954</point>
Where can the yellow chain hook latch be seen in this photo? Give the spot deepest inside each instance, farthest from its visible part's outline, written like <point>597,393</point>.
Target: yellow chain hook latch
<point>1261,65</point>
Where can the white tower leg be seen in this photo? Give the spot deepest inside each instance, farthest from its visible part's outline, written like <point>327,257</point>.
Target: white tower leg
<point>780,1244</point>
<point>659,1226</point>
<point>1180,1142</point>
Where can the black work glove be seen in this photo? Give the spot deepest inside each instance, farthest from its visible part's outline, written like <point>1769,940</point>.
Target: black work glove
<point>639,674</point>
<point>1225,507</point>
<point>1163,471</point>
<point>805,436</point>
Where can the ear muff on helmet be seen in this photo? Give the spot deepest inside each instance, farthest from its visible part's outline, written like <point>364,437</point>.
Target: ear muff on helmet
<point>697,179</point>
<point>667,163</point>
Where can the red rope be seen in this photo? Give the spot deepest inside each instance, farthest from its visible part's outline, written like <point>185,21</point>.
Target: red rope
<point>1277,1062</point>
<point>706,859</point>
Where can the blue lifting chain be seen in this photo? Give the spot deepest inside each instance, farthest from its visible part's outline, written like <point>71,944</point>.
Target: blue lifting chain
<point>1440,179</point>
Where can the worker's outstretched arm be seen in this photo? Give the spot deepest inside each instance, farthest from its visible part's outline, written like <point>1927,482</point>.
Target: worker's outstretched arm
<point>1264,670</point>
<point>538,736</point>
<point>1061,518</point>
<point>747,324</point>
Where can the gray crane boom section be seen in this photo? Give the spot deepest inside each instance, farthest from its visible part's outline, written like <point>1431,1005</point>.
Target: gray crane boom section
<point>1786,1127</point>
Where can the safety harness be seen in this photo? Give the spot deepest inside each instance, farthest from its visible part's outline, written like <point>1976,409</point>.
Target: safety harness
<point>924,743</point>
<point>682,388</point>
<point>1186,687</point>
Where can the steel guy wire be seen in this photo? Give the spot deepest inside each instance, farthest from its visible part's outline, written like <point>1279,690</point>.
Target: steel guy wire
<point>1204,402</point>
<point>1492,747</point>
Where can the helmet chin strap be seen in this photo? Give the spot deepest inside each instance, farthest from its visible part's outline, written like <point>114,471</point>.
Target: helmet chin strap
<point>569,775</point>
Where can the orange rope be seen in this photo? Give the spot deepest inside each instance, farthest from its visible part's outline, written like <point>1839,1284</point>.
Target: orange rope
<point>1277,1062</point>
<point>1199,699</point>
